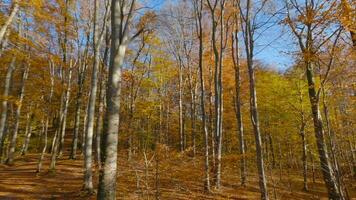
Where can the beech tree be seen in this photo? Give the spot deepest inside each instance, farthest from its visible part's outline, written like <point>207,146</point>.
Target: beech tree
<point>248,25</point>
<point>121,16</point>
<point>148,99</point>
<point>310,16</point>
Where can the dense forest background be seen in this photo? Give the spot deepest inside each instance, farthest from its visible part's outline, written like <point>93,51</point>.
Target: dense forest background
<point>172,99</point>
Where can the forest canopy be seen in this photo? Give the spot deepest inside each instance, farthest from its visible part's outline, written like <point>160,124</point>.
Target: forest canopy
<point>177,99</point>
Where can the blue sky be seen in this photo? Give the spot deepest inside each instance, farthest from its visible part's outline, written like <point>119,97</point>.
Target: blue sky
<point>274,46</point>
<point>271,48</point>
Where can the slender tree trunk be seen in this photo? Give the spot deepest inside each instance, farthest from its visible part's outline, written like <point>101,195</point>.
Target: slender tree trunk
<point>44,148</point>
<point>218,58</point>
<point>4,103</point>
<point>256,129</point>
<point>58,139</point>
<point>85,124</point>
<point>73,152</point>
<point>192,116</point>
<point>210,97</point>
<point>4,28</point>
<point>66,93</point>
<point>198,6</point>
<point>65,110</point>
<point>333,147</point>
<point>99,122</point>
<point>249,47</point>
<point>181,125</point>
<point>304,157</point>
<point>327,171</point>
<point>12,148</point>
<point>238,103</point>
<point>98,37</point>
<point>55,144</point>
<point>119,42</point>
<point>28,132</point>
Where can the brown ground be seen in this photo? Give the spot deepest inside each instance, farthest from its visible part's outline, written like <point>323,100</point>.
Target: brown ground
<point>180,177</point>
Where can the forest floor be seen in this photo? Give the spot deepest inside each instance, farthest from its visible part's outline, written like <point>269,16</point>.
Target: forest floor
<point>180,177</point>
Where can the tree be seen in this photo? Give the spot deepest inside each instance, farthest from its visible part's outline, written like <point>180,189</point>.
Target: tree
<point>121,16</point>
<point>309,18</point>
<point>237,101</point>
<point>218,88</point>
<point>198,8</point>
<point>248,25</point>
<point>4,28</point>
<point>97,40</point>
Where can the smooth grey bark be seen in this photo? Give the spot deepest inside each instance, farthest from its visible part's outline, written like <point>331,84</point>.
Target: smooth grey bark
<point>218,64</point>
<point>55,144</point>
<point>238,103</point>
<point>211,118</point>
<point>248,30</point>
<point>81,70</point>
<point>88,158</point>
<point>326,168</point>
<point>102,95</point>
<point>121,14</point>
<point>84,125</point>
<point>44,148</point>
<point>28,131</point>
<point>216,95</point>
<point>333,147</point>
<point>307,45</point>
<point>304,155</point>
<point>4,28</point>
<point>58,140</point>
<point>65,110</point>
<point>73,151</point>
<point>198,8</point>
<point>192,88</point>
<point>49,112</point>
<point>99,120</point>
<point>180,88</point>
<point>67,85</point>
<point>12,147</point>
<point>4,103</point>
<point>79,100</point>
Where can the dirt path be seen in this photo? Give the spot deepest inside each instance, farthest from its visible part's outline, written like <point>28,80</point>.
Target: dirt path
<point>180,178</point>
<point>20,181</point>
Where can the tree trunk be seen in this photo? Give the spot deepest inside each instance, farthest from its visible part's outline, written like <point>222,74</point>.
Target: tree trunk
<point>181,125</point>
<point>58,139</point>
<point>238,103</point>
<point>304,158</point>
<point>9,20</point>
<point>249,48</point>
<point>28,132</point>
<point>327,171</point>
<point>119,42</point>
<point>49,112</point>
<point>4,103</point>
<point>198,7</point>
<point>73,152</point>
<point>88,174</point>
<point>256,129</point>
<point>65,110</point>
<point>99,122</point>
<point>217,86</point>
<point>12,148</point>
<point>85,125</point>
